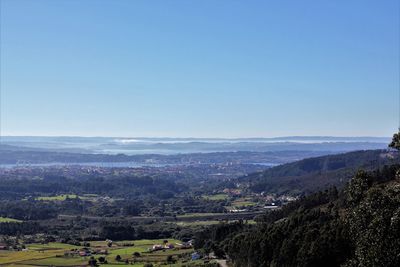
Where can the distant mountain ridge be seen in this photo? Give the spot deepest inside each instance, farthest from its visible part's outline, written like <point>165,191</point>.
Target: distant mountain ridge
<point>7,139</point>
<point>132,146</point>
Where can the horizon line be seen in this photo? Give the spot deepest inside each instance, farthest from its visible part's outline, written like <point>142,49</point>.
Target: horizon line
<point>191,137</point>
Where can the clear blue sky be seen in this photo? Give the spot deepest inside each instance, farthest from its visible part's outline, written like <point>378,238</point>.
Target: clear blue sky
<point>199,68</point>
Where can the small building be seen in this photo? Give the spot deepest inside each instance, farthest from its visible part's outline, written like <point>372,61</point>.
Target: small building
<point>186,245</point>
<point>84,253</point>
<point>158,247</point>
<point>169,246</point>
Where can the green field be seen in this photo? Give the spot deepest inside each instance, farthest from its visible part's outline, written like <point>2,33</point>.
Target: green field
<point>5,220</point>
<point>53,254</point>
<point>198,223</point>
<point>243,202</point>
<point>57,197</point>
<point>195,215</point>
<point>216,197</point>
<point>65,196</point>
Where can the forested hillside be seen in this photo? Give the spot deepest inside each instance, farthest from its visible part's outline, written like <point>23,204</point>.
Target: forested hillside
<point>358,226</point>
<point>313,174</point>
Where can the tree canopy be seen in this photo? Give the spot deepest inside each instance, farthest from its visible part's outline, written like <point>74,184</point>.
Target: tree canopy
<point>395,141</point>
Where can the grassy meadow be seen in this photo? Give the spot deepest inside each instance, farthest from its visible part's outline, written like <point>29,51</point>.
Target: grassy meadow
<point>216,197</point>
<point>5,220</point>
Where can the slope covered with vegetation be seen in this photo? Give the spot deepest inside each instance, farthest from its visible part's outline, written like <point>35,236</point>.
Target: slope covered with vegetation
<point>313,174</point>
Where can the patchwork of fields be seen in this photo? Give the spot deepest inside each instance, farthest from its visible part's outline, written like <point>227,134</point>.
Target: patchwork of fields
<point>137,253</point>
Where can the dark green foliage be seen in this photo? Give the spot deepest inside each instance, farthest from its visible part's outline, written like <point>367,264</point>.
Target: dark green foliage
<point>307,238</point>
<point>118,232</point>
<point>374,226</point>
<point>357,187</point>
<point>53,183</point>
<point>24,228</point>
<point>24,210</point>
<point>171,259</point>
<point>395,141</point>
<point>130,231</point>
<point>92,262</point>
<point>132,209</point>
<point>102,259</point>
<point>309,202</point>
<point>216,233</point>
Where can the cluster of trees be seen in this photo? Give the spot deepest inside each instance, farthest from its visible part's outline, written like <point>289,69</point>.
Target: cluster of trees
<point>126,231</point>
<point>32,209</point>
<point>26,211</point>
<point>14,229</point>
<point>114,185</point>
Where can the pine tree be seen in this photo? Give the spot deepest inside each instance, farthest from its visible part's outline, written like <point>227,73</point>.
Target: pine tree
<point>395,141</point>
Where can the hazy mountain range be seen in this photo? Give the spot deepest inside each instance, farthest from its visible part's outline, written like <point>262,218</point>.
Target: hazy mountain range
<point>142,145</point>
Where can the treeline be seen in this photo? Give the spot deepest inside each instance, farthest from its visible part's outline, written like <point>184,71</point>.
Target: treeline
<point>359,226</point>
<point>21,228</point>
<point>121,186</point>
<point>126,231</point>
<point>28,210</point>
<point>119,229</point>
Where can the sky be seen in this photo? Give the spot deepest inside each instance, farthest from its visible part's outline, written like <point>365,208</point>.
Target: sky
<point>207,68</point>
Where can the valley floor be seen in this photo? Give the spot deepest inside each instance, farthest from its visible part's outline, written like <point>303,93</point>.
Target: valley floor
<point>137,253</point>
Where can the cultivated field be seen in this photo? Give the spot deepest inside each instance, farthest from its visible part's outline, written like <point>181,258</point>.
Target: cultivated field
<point>137,253</point>
<point>5,220</point>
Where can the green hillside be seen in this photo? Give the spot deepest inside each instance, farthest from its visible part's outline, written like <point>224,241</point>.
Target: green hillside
<point>313,174</point>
